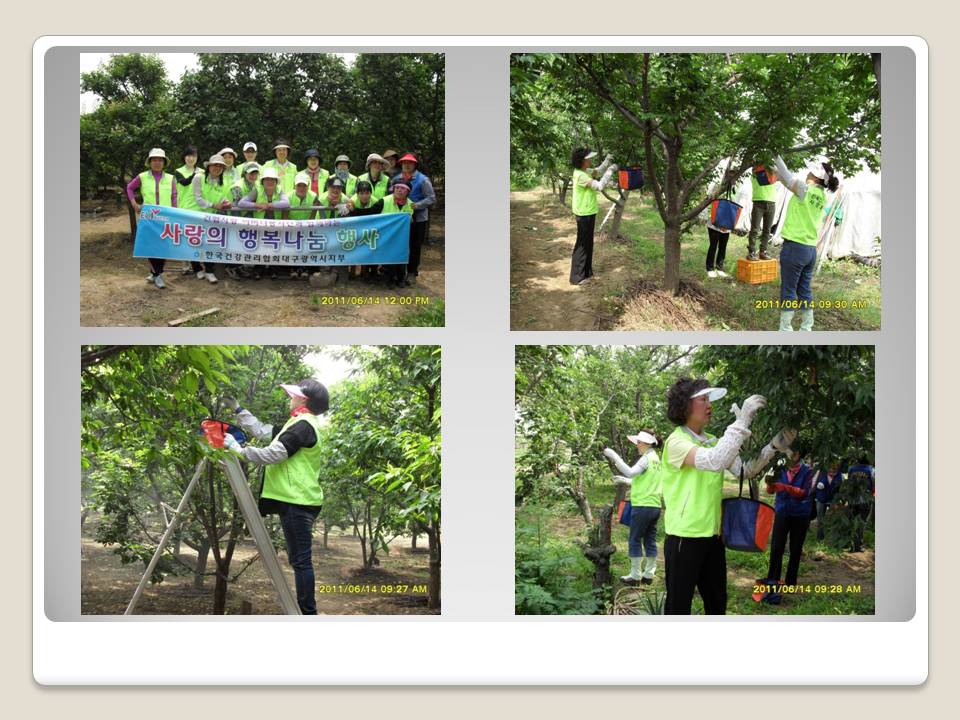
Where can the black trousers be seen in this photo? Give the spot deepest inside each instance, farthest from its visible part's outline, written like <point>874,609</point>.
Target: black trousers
<point>418,234</point>
<point>695,564</point>
<point>717,250</point>
<point>581,265</point>
<point>784,528</point>
<point>156,265</point>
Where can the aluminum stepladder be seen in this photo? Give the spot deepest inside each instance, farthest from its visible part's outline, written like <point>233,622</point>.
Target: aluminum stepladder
<point>254,523</point>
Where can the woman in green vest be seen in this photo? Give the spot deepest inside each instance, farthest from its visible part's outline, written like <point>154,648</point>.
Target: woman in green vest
<point>375,176</point>
<point>341,169</point>
<point>318,175</point>
<point>291,482</point>
<point>302,198</point>
<point>646,497</point>
<point>231,173</point>
<point>764,199</point>
<point>156,187</point>
<point>398,202</point>
<point>286,170</point>
<point>184,175</point>
<point>211,193</point>
<point>800,232</point>
<point>694,463</point>
<point>585,191</point>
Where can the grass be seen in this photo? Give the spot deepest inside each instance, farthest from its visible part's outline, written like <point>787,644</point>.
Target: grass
<point>563,527</point>
<point>852,290</point>
<point>847,293</point>
<point>430,315</point>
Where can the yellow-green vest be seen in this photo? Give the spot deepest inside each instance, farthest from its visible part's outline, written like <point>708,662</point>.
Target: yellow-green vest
<point>262,198</point>
<point>584,196</point>
<point>390,206</point>
<point>691,496</point>
<point>803,216</point>
<point>646,489</point>
<point>297,202</point>
<point>148,189</point>
<point>214,193</point>
<point>379,187</point>
<point>297,479</point>
<point>287,174</point>
<point>185,198</point>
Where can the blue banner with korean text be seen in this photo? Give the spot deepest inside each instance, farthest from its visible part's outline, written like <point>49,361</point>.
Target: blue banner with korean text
<point>174,234</point>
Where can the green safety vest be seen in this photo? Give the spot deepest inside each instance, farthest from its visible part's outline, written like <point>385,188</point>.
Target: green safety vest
<point>232,175</point>
<point>214,193</point>
<point>326,211</point>
<point>148,189</point>
<point>297,479</point>
<point>322,176</point>
<point>357,204</point>
<point>262,198</point>
<point>379,187</point>
<point>691,496</point>
<point>390,206</point>
<point>351,187</point>
<point>287,173</point>
<point>767,193</point>
<point>646,489</point>
<point>243,189</point>
<point>584,197</point>
<point>185,198</point>
<point>803,216</point>
<point>296,201</point>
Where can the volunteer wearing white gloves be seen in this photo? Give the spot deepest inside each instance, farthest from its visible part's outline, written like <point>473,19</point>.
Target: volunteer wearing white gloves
<point>585,190</point>
<point>694,462</point>
<point>291,486</point>
<point>646,497</point>
<point>801,229</point>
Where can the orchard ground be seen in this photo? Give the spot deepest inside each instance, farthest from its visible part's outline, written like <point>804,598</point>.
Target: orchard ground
<point>343,586</point>
<point>839,582</point>
<point>113,290</point>
<point>627,293</point>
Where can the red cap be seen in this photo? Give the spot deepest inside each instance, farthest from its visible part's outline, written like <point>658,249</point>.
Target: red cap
<point>409,157</point>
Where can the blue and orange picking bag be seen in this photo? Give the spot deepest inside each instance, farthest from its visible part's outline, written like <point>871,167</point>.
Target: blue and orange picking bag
<point>764,175</point>
<point>725,213</point>
<point>630,178</point>
<point>214,431</point>
<point>746,523</point>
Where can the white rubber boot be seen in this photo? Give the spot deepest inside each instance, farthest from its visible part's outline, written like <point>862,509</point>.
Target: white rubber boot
<point>806,320</point>
<point>786,320</point>
<point>649,567</point>
<point>635,574</point>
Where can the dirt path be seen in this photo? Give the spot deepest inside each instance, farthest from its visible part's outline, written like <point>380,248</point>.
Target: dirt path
<point>113,290</point>
<point>343,587</point>
<point>542,236</point>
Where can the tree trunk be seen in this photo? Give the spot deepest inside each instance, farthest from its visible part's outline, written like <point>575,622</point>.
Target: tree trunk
<point>130,214</point>
<point>671,258</point>
<point>220,591</point>
<point>614,231</point>
<point>200,569</point>
<point>600,549</point>
<point>413,540</point>
<point>564,186</point>
<point>579,495</point>
<point>326,535</point>
<point>433,583</point>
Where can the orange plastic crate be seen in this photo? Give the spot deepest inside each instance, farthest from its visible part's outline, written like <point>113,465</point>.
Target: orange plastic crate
<point>756,272</point>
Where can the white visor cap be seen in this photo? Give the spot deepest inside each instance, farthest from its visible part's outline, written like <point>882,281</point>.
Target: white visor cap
<point>713,393</point>
<point>293,391</point>
<point>816,169</point>
<point>642,437</point>
<point>590,155</point>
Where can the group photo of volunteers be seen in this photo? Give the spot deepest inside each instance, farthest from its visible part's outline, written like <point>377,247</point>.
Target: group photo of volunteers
<point>287,191</point>
<point>685,480</point>
<point>698,203</point>
<point>242,480</point>
<point>277,190</point>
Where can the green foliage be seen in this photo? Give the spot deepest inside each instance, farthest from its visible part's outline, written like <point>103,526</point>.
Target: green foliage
<point>827,392</point>
<point>546,574</point>
<point>310,99</point>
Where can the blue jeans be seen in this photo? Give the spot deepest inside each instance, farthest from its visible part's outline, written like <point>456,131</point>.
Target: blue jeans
<point>643,531</point>
<point>796,273</point>
<point>297,522</point>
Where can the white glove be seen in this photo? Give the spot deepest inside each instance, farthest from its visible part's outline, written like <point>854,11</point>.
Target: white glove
<point>606,176</point>
<point>819,486</point>
<point>610,454</point>
<point>230,443</point>
<point>784,440</point>
<point>750,407</point>
<point>231,402</point>
<point>342,209</point>
<point>621,480</point>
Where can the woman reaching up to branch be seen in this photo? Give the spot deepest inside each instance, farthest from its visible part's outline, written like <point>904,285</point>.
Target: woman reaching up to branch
<point>800,231</point>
